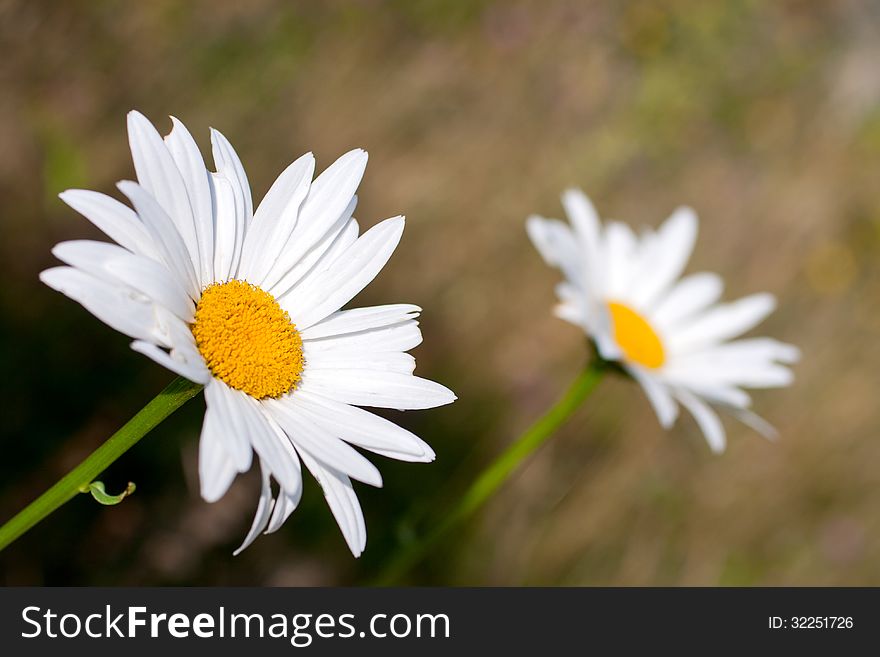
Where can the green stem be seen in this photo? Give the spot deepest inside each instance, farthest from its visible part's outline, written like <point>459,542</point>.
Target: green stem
<point>77,480</point>
<point>491,479</point>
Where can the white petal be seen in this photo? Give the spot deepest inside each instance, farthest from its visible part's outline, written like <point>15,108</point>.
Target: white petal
<point>276,219</point>
<point>620,260</point>
<point>342,501</point>
<point>120,307</point>
<point>285,504</point>
<point>557,245</point>
<point>377,389</point>
<point>690,295</point>
<point>756,422</point>
<point>113,263</point>
<point>329,196</point>
<point>397,337</point>
<point>221,401</point>
<point>691,371</point>
<point>196,180</point>
<point>267,443</point>
<point>216,469</point>
<point>657,393</point>
<point>264,510</point>
<point>753,350</point>
<point>225,227</point>
<point>726,395</point>
<point>158,174</point>
<point>587,227</point>
<point>164,234</point>
<point>706,418</point>
<point>191,369</point>
<point>670,254</point>
<point>387,361</point>
<point>228,165</point>
<point>322,255</point>
<point>723,322</point>
<point>320,443</point>
<point>360,319</point>
<point>287,500</point>
<point>364,429</point>
<point>325,294</point>
<point>119,222</point>
<point>583,217</point>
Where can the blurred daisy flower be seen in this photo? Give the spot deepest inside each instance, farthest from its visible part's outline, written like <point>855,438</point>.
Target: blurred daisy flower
<point>247,303</point>
<point>669,333</point>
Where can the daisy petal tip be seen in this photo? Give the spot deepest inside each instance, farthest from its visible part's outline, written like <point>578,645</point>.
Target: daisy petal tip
<point>575,195</point>
<point>717,448</point>
<point>55,277</point>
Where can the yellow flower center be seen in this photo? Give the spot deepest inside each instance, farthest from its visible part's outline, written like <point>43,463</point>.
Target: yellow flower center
<point>634,335</point>
<point>247,340</point>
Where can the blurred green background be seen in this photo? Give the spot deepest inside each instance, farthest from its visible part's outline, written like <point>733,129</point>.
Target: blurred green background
<point>765,117</point>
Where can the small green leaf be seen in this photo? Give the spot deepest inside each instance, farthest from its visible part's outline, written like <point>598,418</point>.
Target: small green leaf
<point>96,488</point>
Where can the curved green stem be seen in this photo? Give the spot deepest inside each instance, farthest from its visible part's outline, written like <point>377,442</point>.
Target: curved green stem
<point>78,480</point>
<point>491,479</point>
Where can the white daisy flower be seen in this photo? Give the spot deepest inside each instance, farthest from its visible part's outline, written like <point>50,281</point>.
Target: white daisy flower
<point>669,333</point>
<point>248,304</point>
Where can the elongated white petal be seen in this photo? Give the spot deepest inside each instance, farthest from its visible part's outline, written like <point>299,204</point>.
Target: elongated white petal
<point>287,500</point>
<point>659,396</point>
<point>309,304</point>
<point>164,234</point>
<point>706,418</point>
<point>386,361</point>
<point>264,510</point>
<point>227,162</point>
<point>343,503</point>
<point>116,220</point>
<point>690,295</point>
<point>118,306</point>
<point>360,319</point>
<point>265,440</point>
<point>690,372</point>
<point>670,254</point>
<point>158,174</point>
<point>320,443</point>
<point>154,280</point>
<point>559,248</point>
<point>394,338</point>
<point>752,350</point>
<point>276,219</point>
<point>756,422</point>
<point>196,180</point>
<point>322,255</point>
<point>621,248</point>
<point>584,218</point>
<point>364,429</point>
<point>225,227</point>
<point>191,369</point>
<point>377,389</point>
<point>726,395</point>
<point>285,504</point>
<point>216,469</point>
<point>115,264</point>
<point>241,210</point>
<point>221,400</point>
<point>329,196</point>
<point>723,322</point>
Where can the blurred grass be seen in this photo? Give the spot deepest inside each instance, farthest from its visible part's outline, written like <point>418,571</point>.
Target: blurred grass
<point>765,117</point>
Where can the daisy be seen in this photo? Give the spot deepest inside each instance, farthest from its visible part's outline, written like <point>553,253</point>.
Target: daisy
<point>247,303</point>
<point>669,333</point>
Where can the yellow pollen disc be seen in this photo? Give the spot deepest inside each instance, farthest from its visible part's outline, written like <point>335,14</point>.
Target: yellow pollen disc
<point>634,335</point>
<point>247,340</point>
